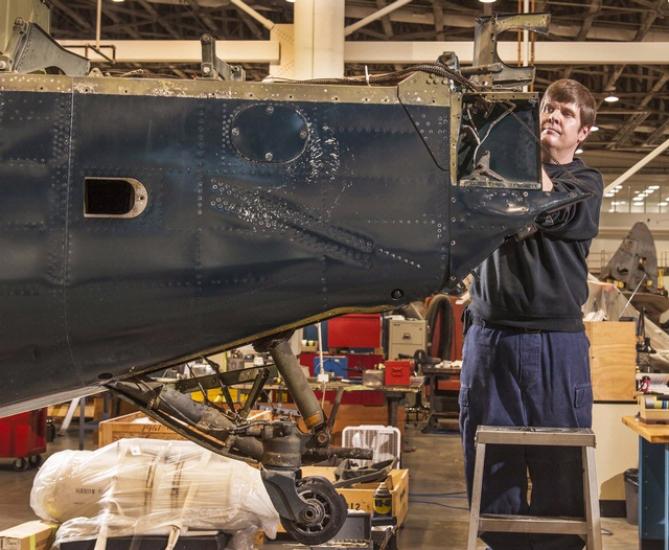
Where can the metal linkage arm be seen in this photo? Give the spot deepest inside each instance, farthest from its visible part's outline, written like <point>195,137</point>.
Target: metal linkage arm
<point>493,71</point>
<point>213,67</point>
<point>31,49</point>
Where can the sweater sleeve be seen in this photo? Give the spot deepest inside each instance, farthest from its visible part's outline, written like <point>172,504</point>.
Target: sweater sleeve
<point>578,221</point>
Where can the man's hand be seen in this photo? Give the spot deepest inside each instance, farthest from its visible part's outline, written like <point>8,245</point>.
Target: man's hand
<point>546,183</point>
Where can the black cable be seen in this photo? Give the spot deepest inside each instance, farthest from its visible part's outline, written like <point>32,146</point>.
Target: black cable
<point>457,494</point>
<point>440,504</point>
<point>440,303</point>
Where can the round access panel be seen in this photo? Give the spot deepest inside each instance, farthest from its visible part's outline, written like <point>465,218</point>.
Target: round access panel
<point>269,133</point>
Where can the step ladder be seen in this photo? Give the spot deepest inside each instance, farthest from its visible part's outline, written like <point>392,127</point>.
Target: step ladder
<point>589,527</point>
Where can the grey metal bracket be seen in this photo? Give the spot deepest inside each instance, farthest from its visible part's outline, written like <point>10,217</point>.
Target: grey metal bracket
<point>31,49</point>
<point>214,67</point>
<point>489,70</point>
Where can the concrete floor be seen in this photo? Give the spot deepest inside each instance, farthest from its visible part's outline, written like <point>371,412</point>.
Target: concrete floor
<point>434,522</point>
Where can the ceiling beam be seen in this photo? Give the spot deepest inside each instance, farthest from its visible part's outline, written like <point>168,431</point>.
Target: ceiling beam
<point>180,51</point>
<point>261,51</point>
<point>438,14</point>
<point>549,53</point>
<point>627,129</point>
<point>659,133</point>
<point>423,15</point>
<point>152,11</point>
<point>73,15</point>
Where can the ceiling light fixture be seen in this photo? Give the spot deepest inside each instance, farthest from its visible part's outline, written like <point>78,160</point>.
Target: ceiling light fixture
<point>487,1</point>
<point>594,128</point>
<point>579,151</point>
<point>611,98</point>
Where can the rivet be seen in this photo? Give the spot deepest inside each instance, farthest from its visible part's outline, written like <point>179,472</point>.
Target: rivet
<point>269,156</point>
<point>235,131</point>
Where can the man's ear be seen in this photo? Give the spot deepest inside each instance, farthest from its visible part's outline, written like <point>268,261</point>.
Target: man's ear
<point>583,133</point>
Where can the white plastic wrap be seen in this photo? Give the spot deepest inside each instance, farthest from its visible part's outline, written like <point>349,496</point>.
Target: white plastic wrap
<point>148,486</point>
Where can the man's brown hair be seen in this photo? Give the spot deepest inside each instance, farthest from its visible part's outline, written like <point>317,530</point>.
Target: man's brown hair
<point>567,90</point>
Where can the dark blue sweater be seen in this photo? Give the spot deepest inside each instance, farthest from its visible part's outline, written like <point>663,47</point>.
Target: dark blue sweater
<point>541,282</point>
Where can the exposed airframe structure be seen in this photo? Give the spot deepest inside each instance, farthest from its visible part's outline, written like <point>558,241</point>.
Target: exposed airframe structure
<point>146,222</point>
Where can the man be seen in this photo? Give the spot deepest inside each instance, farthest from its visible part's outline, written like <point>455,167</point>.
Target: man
<point>526,353</point>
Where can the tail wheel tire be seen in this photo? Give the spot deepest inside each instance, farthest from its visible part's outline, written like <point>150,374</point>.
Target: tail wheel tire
<point>325,516</point>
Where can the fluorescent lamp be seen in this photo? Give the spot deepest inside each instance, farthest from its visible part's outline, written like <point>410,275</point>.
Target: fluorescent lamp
<point>653,187</point>
<point>487,1</point>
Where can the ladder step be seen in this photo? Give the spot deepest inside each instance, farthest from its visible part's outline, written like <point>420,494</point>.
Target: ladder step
<point>500,523</point>
<point>554,437</point>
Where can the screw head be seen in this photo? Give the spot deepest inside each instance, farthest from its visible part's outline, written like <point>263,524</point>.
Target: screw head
<point>269,156</point>
<point>206,69</point>
<point>235,131</point>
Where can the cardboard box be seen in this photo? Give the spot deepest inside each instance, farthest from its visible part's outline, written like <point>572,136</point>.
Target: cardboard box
<point>361,496</point>
<point>612,360</point>
<point>33,535</point>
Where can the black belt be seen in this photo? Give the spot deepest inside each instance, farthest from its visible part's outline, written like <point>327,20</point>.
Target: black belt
<point>524,330</point>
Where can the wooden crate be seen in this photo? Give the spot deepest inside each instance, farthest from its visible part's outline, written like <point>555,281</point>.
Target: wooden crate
<point>612,359</point>
<point>133,425</point>
<point>139,425</point>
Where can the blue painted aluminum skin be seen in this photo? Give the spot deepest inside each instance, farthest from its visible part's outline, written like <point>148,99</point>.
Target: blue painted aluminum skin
<point>244,234</point>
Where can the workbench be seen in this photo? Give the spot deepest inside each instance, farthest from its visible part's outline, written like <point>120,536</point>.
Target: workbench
<point>393,395</point>
<point>653,483</point>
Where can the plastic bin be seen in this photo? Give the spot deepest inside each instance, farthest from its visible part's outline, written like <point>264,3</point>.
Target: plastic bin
<point>632,495</point>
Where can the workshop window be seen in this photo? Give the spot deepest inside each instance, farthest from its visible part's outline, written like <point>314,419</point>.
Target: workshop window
<point>113,198</point>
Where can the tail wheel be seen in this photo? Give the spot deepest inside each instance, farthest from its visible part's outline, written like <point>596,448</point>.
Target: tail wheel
<point>326,513</point>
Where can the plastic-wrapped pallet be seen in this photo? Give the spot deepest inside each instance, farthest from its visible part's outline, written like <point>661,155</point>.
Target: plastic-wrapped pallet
<point>146,486</point>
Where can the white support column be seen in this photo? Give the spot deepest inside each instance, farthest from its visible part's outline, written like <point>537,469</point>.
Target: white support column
<point>319,39</point>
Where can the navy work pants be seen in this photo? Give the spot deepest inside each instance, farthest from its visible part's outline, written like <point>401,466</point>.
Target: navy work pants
<point>513,378</point>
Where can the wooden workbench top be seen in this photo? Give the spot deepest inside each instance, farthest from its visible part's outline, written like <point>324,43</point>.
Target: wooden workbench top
<point>653,433</point>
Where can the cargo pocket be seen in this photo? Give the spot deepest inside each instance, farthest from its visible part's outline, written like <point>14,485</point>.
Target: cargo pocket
<point>583,405</point>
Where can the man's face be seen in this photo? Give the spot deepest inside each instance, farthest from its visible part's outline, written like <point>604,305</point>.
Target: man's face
<point>561,130</point>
